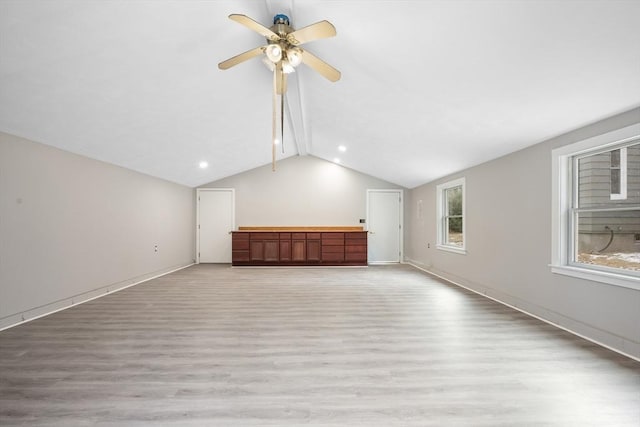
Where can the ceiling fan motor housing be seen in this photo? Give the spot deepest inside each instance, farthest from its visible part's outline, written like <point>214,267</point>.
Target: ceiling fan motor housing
<point>281,30</point>
<point>281,19</point>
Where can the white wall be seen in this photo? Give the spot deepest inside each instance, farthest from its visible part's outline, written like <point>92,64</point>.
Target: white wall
<point>508,239</point>
<point>72,228</point>
<point>302,191</point>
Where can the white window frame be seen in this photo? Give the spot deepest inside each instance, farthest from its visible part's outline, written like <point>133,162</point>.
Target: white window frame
<point>562,193</point>
<point>622,195</point>
<point>441,214</point>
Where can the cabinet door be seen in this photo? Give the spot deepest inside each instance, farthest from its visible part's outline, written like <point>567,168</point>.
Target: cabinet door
<point>257,250</point>
<point>285,250</point>
<point>298,250</point>
<point>271,250</point>
<point>313,250</point>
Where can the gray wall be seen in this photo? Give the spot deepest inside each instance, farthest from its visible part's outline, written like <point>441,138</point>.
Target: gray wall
<point>508,238</point>
<point>302,191</point>
<point>72,228</point>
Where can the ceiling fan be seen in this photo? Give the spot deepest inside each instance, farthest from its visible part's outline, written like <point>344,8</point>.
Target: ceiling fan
<point>282,54</point>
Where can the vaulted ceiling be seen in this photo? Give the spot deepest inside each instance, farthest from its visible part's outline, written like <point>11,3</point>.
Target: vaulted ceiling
<point>428,87</point>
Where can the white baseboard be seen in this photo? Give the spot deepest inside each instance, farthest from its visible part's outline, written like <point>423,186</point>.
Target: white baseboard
<point>53,307</point>
<point>634,347</point>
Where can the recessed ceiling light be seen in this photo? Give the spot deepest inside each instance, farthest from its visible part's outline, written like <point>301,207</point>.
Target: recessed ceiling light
<point>342,148</point>
<point>336,160</point>
<point>203,165</point>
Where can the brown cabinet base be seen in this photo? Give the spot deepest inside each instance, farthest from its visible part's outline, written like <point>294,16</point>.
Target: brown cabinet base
<point>299,248</point>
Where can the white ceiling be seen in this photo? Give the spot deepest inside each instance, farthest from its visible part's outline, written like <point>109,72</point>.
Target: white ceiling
<point>428,87</point>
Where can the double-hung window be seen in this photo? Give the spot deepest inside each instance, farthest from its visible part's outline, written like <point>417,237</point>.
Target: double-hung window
<point>596,209</point>
<point>451,224</point>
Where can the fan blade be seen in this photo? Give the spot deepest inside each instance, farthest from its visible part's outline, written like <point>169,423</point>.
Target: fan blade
<point>241,58</point>
<point>281,79</point>
<point>320,66</point>
<point>319,30</point>
<point>255,26</point>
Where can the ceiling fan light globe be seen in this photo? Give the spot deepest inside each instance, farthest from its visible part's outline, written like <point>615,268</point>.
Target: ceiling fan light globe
<point>287,68</point>
<point>274,53</point>
<point>294,55</point>
<point>267,63</point>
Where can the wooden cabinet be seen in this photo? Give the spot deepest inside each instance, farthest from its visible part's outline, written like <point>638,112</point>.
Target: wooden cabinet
<point>256,250</point>
<point>285,250</point>
<point>240,247</point>
<point>355,247</point>
<point>333,247</point>
<point>299,248</point>
<point>271,250</point>
<point>263,247</point>
<point>313,248</point>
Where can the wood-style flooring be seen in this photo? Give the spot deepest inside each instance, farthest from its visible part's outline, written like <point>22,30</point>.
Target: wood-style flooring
<point>212,345</point>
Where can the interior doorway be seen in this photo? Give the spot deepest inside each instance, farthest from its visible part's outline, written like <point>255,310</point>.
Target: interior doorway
<point>384,224</point>
<point>214,223</point>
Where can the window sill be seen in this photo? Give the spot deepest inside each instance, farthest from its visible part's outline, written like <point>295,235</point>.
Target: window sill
<point>454,249</point>
<point>598,276</point>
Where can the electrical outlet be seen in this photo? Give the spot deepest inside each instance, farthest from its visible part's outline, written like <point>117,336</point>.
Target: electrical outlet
<point>155,248</point>
<point>428,245</point>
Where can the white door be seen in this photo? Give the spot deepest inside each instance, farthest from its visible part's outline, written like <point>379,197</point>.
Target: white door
<point>384,223</point>
<point>215,221</point>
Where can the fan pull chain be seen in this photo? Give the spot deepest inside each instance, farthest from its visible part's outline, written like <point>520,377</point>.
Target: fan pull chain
<point>273,123</point>
<point>282,114</point>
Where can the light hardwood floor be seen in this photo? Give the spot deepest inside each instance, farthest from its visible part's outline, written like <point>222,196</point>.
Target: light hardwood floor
<point>379,346</point>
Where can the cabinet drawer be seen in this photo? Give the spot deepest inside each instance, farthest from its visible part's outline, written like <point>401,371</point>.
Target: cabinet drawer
<point>285,236</point>
<point>239,256</point>
<point>332,256</point>
<point>333,249</point>
<point>313,236</point>
<point>355,248</point>
<point>240,245</point>
<point>356,236</point>
<point>240,236</point>
<point>359,256</point>
<point>332,236</point>
<point>298,236</point>
<point>264,236</point>
<point>332,242</point>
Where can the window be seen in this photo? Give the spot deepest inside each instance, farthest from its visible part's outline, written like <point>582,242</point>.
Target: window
<point>596,209</point>
<point>451,224</point>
